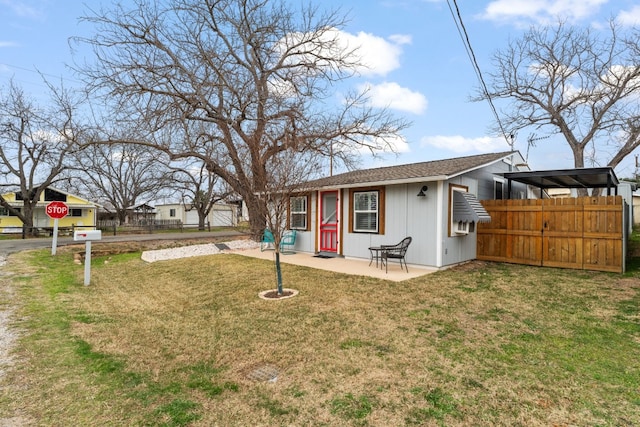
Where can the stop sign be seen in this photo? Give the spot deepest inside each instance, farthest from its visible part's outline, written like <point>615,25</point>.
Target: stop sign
<point>57,210</point>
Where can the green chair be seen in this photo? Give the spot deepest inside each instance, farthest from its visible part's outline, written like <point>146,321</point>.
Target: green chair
<point>267,241</point>
<point>288,241</point>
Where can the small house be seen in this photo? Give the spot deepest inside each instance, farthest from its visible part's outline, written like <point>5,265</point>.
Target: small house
<point>81,212</point>
<point>435,202</point>
<point>221,214</point>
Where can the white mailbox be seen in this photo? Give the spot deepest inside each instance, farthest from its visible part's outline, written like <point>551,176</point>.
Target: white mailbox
<point>87,235</point>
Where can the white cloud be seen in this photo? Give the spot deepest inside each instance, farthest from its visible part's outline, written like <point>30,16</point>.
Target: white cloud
<point>460,144</point>
<point>630,17</point>
<point>367,54</point>
<point>391,144</point>
<point>519,12</point>
<point>400,39</point>
<point>392,95</point>
<point>22,9</point>
<point>378,56</point>
<point>7,44</point>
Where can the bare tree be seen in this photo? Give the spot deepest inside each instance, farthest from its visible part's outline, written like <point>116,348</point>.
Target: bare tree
<point>120,175</point>
<point>258,76</point>
<point>577,82</point>
<point>35,145</point>
<point>199,188</point>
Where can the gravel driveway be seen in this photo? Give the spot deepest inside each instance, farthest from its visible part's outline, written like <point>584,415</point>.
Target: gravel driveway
<point>8,334</point>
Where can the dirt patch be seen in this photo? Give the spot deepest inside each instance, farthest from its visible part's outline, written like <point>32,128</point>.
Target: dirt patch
<point>470,266</point>
<point>274,295</point>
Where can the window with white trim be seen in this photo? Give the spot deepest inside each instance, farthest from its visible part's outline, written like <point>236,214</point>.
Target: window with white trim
<point>172,213</point>
<point>365,211</point>
<point>298,213</point>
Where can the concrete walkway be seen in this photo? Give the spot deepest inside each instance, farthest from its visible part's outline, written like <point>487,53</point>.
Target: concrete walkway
<point>356,266</point>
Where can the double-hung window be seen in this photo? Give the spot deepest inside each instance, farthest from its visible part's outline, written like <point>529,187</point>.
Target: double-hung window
<point>365,211</point>
<point>298,213</point>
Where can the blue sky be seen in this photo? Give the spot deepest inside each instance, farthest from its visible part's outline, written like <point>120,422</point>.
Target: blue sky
<point>418,65</point>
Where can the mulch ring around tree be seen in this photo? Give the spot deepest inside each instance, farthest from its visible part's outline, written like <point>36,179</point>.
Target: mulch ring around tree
<point>272,294</point>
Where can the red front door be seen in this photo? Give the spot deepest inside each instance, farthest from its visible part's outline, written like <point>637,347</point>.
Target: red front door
<point>329,221</point>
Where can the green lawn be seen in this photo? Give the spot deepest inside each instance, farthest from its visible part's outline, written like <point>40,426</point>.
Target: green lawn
<point>186,343</point>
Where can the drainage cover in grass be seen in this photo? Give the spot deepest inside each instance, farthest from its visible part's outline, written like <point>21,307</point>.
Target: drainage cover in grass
<point>264,373</point>
<point>222,246</point>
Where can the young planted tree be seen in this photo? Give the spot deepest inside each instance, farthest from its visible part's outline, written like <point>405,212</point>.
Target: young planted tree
<point>258,77</point>
<point>581,83</point>
<point>287,174</point>
<point>36,144</point>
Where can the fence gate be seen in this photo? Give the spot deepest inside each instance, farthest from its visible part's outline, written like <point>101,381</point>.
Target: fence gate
<point>583,233</point>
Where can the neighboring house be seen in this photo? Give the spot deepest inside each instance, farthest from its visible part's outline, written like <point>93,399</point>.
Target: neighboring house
<point>81,212</point>
<point>436,203</point>
<point>221,215</point>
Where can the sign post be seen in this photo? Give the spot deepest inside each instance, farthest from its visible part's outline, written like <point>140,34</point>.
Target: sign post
<point>87,236</point>
<point>56,210</point>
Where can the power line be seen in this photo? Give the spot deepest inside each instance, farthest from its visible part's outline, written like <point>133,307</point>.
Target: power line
<point>462,31</point>
<point>35,71</point>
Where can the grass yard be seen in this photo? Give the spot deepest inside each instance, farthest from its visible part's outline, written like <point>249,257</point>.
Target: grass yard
<point>189,342</point>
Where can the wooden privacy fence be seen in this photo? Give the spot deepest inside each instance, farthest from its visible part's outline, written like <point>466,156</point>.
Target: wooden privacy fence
<point>585,232</point>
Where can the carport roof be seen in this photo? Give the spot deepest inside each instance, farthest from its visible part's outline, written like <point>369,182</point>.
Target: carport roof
<point>567,178</point>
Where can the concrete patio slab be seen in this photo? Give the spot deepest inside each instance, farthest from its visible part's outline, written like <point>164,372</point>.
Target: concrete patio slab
<point>355,266</point>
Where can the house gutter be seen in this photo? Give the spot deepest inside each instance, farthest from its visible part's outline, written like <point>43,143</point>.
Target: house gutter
<point>379,183</point>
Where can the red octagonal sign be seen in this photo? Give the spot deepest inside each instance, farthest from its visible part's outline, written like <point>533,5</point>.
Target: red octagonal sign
<point>57,210</point>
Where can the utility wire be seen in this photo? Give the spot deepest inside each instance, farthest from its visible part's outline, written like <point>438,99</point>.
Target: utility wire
<point>35,71</point>
<point>462,31</point>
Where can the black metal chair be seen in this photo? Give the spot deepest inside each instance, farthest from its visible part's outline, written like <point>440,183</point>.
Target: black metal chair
<point>397,251</point>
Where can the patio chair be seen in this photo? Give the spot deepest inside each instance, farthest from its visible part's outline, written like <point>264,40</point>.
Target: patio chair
<point>288,241</point>
<point>267,241</point>
<point>397,251</point>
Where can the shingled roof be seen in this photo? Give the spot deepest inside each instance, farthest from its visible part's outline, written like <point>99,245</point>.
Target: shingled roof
<point>415,172</point>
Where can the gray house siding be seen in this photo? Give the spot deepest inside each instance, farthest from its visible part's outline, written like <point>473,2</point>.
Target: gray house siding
<point>405,215</point>
<point>489,175</point>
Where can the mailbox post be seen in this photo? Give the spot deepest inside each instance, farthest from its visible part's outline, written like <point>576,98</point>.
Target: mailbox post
<point>87,236</point>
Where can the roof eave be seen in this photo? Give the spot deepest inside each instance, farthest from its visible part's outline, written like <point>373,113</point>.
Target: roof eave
<point>380,183</point>
<point>500,159</point>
